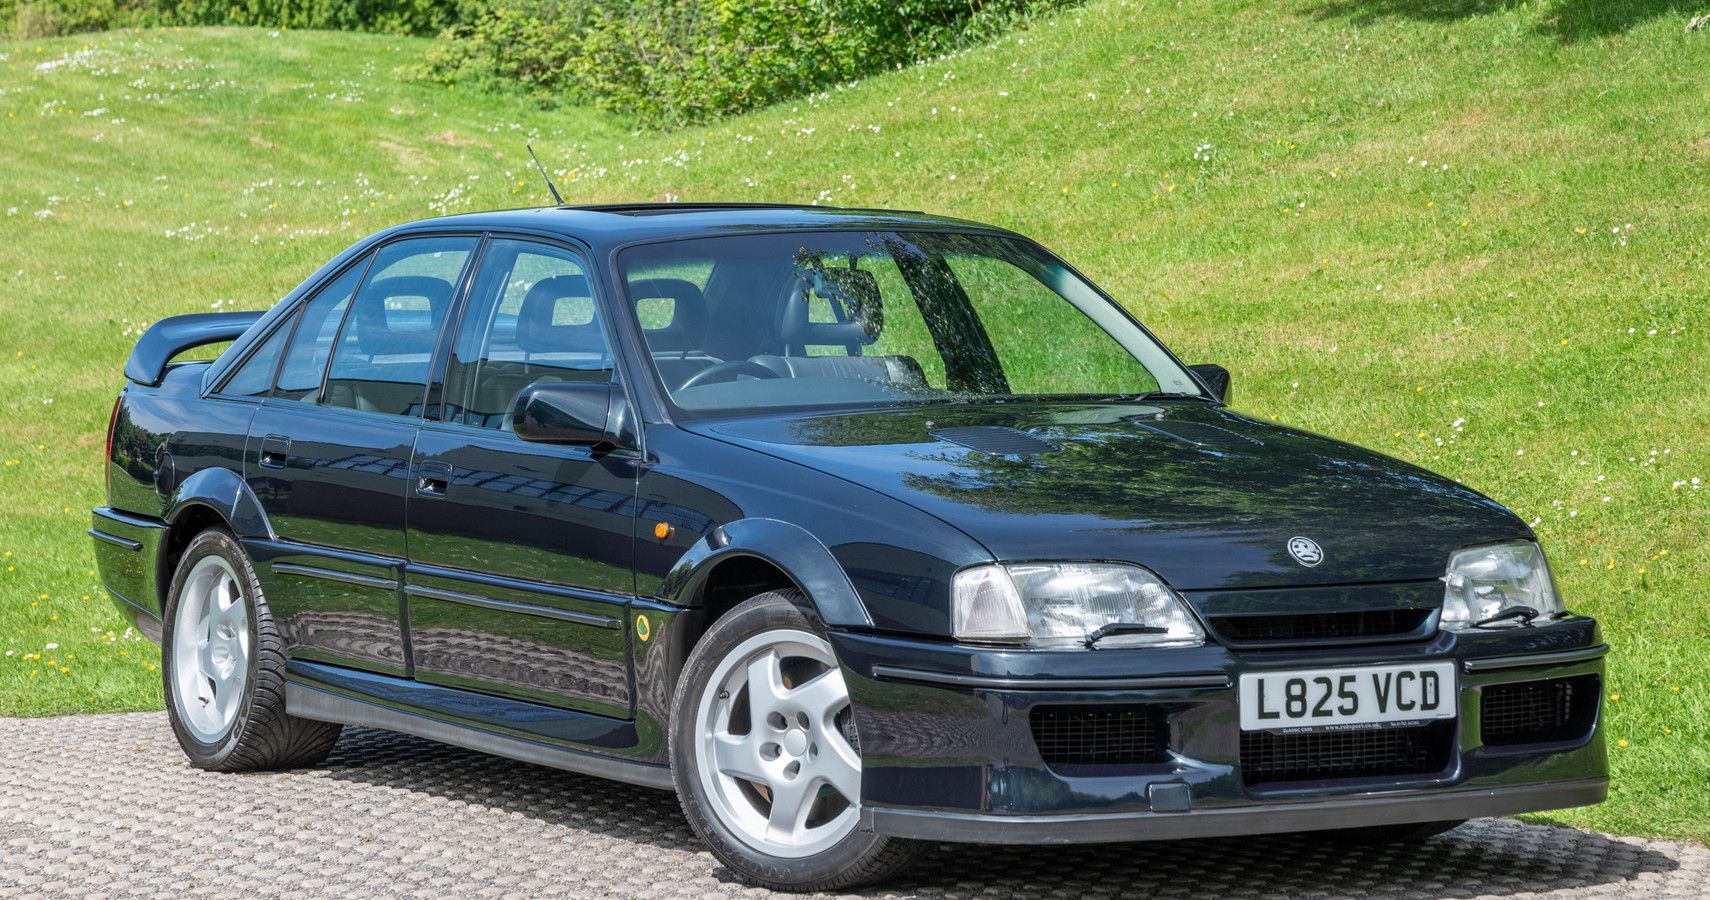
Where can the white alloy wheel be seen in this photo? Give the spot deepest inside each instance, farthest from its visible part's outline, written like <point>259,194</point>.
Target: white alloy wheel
<point>210,649</point>
<point>775,753</point>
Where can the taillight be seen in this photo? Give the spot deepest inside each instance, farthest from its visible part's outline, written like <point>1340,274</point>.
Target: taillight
<point>112,426</point>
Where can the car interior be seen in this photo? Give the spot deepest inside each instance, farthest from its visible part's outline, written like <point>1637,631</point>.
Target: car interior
<point>386,345</point>
<point>813,322</point>
<point>555,335</point>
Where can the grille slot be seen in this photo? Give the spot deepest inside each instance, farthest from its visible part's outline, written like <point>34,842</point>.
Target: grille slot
<point>1069,736</point>
<point>1274,757</point>
<point>1539,712</point>
<point>1323,628</point>
<point>995,439</point>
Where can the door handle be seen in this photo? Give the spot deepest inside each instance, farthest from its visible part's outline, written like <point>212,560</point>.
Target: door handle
<point>274,450</point>
<point>432,478</point>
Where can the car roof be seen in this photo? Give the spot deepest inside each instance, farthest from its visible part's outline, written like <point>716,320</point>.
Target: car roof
<point>612,225</point>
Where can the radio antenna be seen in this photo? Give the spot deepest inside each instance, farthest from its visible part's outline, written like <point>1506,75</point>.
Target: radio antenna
<point>549,185</point>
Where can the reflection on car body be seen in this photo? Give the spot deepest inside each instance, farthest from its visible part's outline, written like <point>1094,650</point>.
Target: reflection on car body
<point>858,529</point>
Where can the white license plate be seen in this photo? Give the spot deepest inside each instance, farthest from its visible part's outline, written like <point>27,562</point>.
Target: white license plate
<point>1368,695</point>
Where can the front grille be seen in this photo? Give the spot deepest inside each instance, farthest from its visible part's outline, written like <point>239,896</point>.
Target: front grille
<point>1317,628</point>
<point>1099,735</point>
<point>1272,757</point>
<point>1539,712</point>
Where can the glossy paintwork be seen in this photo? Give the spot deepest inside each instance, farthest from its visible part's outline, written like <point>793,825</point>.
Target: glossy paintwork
<point>561,519</point>
<point>509,604</point>
<point>927,746</point>
<point>1122,487</point>
<point>341,486</point>
<point>172,336</point>
<point>699,482</point>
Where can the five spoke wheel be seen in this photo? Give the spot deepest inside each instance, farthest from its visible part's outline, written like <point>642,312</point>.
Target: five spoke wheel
<point>210,649</point>
<point>777,755</point>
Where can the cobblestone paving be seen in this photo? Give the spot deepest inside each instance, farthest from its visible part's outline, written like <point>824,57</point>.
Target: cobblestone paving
<point>105,805</point>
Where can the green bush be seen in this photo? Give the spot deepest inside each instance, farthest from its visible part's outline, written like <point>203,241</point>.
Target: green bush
<point>674,62</point>
<point>36,18</point>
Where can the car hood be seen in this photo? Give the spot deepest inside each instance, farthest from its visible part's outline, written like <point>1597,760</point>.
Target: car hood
<point>1206,498</point>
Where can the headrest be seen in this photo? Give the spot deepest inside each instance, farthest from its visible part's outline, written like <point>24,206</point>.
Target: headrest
<point>687,329</point>
<point>855,301</point>
<point>382,332</point>
<point>536,332</point>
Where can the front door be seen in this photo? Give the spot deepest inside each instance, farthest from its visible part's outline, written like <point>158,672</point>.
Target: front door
<point>520,554</point>
<point>329,452</point>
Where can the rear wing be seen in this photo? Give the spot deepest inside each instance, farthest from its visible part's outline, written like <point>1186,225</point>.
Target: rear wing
<point>167,338</point>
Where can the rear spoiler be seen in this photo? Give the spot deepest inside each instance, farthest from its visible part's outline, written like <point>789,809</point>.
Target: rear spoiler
<point>167,338</point>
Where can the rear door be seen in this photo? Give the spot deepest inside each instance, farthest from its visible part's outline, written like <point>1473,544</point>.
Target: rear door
<point>328,453</point>
<point>520,567</point>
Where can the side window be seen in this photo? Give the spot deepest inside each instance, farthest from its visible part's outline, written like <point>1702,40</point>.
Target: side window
<point>384,349</point>
<point>531,317</point>
<point>255,377</point>
<point>306,359</point>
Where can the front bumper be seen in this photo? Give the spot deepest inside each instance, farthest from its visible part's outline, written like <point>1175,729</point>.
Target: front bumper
<point>949,752</point>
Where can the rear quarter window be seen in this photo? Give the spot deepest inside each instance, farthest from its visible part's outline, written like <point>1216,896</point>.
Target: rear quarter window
<point>255,377</point>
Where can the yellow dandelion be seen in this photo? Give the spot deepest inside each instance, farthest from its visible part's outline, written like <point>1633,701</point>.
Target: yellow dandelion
<point>1614,698</point>
<point>1621,743</point>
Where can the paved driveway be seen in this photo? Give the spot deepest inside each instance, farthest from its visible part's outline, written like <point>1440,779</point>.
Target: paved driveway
<point>106,805</point>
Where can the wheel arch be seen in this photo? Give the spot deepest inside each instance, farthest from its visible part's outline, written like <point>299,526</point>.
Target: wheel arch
<point>739,559</point>
<point>209,498</point>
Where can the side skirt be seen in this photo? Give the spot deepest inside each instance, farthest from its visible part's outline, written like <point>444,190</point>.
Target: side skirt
<point>310,693</point>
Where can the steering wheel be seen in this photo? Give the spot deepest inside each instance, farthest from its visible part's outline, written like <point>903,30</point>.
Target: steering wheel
<point>728,371</point>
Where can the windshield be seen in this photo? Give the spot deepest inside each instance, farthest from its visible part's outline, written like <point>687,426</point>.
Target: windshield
<point>761,321</point>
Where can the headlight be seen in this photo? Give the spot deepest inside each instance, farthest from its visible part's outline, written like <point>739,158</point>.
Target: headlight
<point>1061,604</point>
<point>1484,581</point>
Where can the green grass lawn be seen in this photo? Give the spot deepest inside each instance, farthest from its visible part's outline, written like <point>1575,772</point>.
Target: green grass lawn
<point>1472,235</point>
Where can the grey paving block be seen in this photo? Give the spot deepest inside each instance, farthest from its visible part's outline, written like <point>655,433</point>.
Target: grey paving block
<point>106,806</point>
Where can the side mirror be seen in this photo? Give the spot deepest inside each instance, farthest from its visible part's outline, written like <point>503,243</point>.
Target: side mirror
<point>1215,377</point>
<point>581,413</point>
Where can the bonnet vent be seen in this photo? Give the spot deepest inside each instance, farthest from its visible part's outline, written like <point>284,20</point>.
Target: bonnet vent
<point>1200,434</point>
<point>995,439</point>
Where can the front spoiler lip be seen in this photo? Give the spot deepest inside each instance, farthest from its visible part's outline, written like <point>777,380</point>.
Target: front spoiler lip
<point>1186,681</point>
<point>1223,821</point>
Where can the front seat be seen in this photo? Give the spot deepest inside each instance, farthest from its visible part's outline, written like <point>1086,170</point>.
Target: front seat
<point>857,306</point>
<point>678,345</point>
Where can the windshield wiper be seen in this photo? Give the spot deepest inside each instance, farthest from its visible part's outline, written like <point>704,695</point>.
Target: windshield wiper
<point>1171,395</point>
<point>1123,628</point>
<point>1524,613</point>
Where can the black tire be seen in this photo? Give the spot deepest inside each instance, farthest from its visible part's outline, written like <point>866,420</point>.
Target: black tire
<point>859,858</point>
<point>262,736</point>
<point>1402,833</point>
